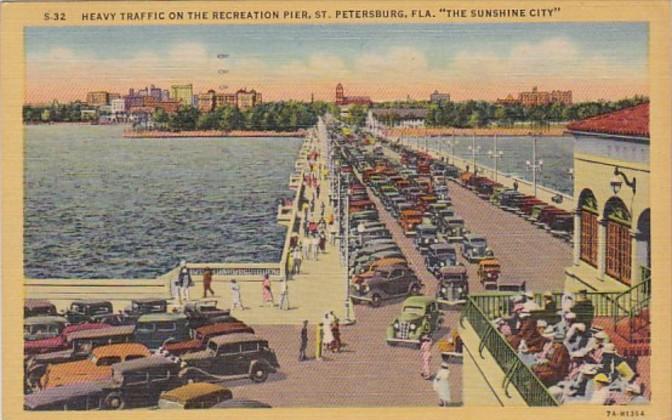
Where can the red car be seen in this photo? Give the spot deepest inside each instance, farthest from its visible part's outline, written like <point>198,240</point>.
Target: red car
<point>48,345</point>
<point>203,334</point>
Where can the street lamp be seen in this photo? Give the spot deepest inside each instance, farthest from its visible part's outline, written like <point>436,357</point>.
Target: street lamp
<point>534,165</point>
<point>618,179</point>
<point>495,156</point>
<point>474,150</point>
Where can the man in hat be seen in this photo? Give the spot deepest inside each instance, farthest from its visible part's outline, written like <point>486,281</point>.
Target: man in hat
<point>565,323</point>
<point>530,305</point>
<point>549,304</point>
<point>601,394</point>
<point>557,362</point>
<point>527,329</point>
<point>601,338</point>
<point>304,341</point>
<point>441,385</point>
<point>184,282</point>
<point>577,337</point>
<point>583,308</point>
<point>633,394</point>
<point>548,334</point>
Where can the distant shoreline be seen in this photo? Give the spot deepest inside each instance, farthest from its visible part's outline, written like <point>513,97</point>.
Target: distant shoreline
<point>142,134</point>
<point>552,131</point>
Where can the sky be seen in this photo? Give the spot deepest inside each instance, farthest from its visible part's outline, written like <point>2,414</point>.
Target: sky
<point>385,62</point>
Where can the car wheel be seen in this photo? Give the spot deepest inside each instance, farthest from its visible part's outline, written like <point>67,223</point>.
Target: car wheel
<point>114,401</point>
<point>415,290</point>
<point>376,300</point>
<point>259,373</point>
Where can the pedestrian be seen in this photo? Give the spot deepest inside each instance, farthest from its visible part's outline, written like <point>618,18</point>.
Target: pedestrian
<point>426,356</point>
<point>441,385</point>
<point>323,241</point>
<point>304,341</point>
<point>235,295</point>
<point>184,282</point>
<point>317,191</point>
<point>297,257</point>
<point>327,335</point>
<point>266,292</point>
<point>207,282</point>
<point>284,296</point>
<point>319,341</point>
<point>333,233</point>
<point>336,333</point>
<point>316,246</point>
<point>515,185</point>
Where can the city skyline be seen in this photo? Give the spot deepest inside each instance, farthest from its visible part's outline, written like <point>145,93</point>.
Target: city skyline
<point>385,62</point>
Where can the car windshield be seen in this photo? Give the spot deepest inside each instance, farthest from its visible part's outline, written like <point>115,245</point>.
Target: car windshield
<point>414,310</point>
<point>478,242</point>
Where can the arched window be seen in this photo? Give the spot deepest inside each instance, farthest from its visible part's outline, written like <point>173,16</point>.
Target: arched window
<point>619,241</point>
<point>589,227</point>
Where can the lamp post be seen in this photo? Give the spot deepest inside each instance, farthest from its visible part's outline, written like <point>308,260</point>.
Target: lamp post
<point>346,234</point>
<point>453,142</point>
<point>495,156</point>
<point>534,165</point>
<point>474,150</point>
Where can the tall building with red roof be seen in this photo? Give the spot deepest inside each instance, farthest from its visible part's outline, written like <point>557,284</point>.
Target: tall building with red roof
<point>343,100</point>
<point>612,245</point>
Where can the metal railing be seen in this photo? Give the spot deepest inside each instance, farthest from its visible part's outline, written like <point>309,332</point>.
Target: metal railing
<point>531,389</point>
<point>634,301</point>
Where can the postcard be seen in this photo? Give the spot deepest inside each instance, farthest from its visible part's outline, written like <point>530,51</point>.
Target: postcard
<point>336,209</point>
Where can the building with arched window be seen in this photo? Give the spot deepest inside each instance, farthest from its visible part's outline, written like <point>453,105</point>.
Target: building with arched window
<point>612,233</point>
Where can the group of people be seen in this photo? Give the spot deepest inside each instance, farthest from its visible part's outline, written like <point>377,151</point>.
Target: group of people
<point>327,337</point>
<point>570,355</point>
<point>440,380</point>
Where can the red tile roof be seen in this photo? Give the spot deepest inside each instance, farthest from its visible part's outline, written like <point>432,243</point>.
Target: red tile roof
<point>633,121</point>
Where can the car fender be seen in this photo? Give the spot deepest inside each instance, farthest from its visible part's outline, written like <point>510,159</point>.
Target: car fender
<point>263,363</point>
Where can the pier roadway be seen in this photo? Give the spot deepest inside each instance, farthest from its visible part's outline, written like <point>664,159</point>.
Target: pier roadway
<point>526,253</point>
<point>368,373</point>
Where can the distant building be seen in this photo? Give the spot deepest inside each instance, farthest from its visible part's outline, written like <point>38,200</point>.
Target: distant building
<point>207,101</point>
<point>88,114</point>
<point>98,98</point>
<point>118,106</point>
<point>437,97</point>
<point>227,99</point>
<point>247,99</point>
<point>343,100</point>
<point>183,94</point>
<point>399,117</point>
<point>537,97</point>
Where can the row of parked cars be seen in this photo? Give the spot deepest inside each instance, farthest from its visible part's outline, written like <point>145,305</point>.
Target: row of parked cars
<point>379,270</point>
<point>558,222</point>
<point>91,357</point>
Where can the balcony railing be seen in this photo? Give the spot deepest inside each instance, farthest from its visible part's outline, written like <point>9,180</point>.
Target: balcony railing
<point>516,372</point>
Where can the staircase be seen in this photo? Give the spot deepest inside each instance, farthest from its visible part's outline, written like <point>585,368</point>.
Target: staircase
<point>630,326</point>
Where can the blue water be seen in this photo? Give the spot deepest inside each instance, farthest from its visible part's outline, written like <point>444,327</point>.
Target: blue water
<point>557,154</point>
<point>101,206</point>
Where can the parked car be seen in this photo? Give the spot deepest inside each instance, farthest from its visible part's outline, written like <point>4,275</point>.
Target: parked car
<point>362,263</point>
<point>155,330</point>
<point>139,307</point>
<point>59,342</point>
<point>232,355</point>
<point>489,270</point>
<point>140,382</point>
<point>386,283</point>
<point>78,346</point>
<point>440,255</point>
<point>453,229</point>
<point>41,327</point>
<point>86,396</point>
<point>194,395</point>
<point>203,334</point>
<point>202,312</point>
<point>38,307</point>
<point>96,366</point>
<point>475,248</point>
<point>88,311</point>
<point>419,316</point>
<point>425,236</point>
<point>409,219</point>
<point>370,269</point>
<point>453,285</point>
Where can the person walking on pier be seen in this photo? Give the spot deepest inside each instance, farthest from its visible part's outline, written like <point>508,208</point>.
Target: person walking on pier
<point>426,356</point>
<point>441,385</point>
<point>266,292</point>
<point>235,296</point>
<point>184,282</point>
<point>304,341</point>
<point>297,257</point>
<point>319,341</point>
<point>316,246</point>
<point>207,282</point>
